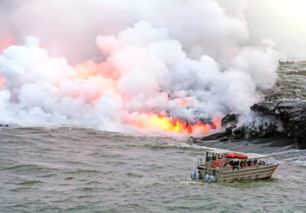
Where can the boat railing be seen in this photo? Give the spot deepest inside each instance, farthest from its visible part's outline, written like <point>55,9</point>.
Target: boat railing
<point>257,161</point>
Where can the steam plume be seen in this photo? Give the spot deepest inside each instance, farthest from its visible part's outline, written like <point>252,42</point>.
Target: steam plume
<point>157,64</point>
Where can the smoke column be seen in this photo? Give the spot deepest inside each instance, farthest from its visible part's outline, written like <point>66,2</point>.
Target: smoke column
<point>152,66</point>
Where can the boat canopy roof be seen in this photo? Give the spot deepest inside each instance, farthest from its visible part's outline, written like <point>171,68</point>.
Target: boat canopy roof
<point>236,155</point>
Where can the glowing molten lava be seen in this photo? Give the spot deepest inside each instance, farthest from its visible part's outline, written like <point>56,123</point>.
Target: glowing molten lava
<point>170,124</point>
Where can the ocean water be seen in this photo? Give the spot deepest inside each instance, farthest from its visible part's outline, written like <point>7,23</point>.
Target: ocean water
<point>81,170</point>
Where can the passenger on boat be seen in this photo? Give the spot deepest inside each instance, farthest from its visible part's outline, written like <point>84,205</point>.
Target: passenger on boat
<point>261,162</point>
<point>221,162</point>
<point>243,164</point>
<point>255,162</point>
<point>214,164</point>
<point>236,165</point>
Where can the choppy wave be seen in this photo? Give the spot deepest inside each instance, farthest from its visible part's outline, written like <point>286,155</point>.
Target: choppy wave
<point>67,169</point>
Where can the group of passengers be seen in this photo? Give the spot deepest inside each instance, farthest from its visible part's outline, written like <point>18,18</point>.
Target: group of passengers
<point>215,160</point>
<point>219,160</point>
<point>240,164</point>
<point>237,164</point>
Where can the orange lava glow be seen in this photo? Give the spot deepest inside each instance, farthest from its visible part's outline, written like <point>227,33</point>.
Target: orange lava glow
<point>184,102</point>
<point>2,82</point>
<point>5,41</point>
<point>170,124</point>
<point>90,81</point>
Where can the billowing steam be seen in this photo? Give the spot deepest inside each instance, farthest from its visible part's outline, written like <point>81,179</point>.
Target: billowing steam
<point>170,65</point>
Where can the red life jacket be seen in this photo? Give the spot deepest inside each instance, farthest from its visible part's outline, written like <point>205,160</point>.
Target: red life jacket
<point>221,163</point>
<point>214,164</point>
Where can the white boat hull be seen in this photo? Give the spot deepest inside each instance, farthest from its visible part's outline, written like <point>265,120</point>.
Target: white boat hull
<point>250,173</point>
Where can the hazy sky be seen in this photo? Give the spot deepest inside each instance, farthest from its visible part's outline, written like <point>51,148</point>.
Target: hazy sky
<point>283,21</point>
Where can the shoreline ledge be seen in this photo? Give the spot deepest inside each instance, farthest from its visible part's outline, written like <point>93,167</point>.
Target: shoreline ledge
<point>283,109</point>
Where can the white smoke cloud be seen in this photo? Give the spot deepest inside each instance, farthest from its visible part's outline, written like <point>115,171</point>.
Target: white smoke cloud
<point>66,27</point>
<point>153,56</point>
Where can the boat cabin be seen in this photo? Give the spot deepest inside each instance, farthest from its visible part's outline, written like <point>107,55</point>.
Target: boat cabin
<point>231,166</point>
<point>231,160</point>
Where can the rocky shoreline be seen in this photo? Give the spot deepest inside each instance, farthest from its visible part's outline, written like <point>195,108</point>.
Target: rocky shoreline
<point>282,112</point>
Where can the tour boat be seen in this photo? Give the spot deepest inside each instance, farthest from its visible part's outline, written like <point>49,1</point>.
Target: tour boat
<point>231,166</point>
